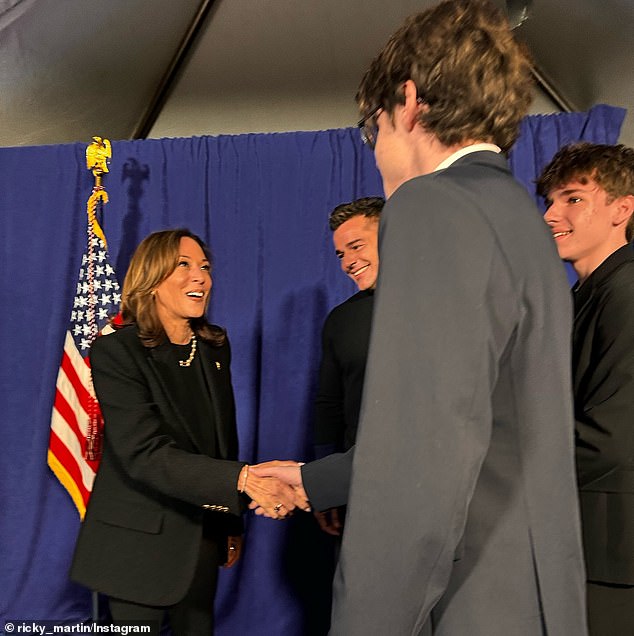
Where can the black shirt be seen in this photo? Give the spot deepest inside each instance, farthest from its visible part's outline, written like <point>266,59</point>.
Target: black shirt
<point>190,391</point>
<point>345,341</point>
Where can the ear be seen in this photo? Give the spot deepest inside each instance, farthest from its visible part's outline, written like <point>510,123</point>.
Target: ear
<point>412,106</point>
<point>623,209</point>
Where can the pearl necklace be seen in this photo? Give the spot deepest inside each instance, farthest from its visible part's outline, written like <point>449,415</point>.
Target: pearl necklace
<point>192,353</point>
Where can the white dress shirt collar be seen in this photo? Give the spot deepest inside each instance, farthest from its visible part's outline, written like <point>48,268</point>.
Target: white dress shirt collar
<point>467,150</point>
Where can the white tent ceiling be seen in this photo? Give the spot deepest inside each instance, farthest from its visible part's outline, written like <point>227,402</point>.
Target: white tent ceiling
<point>70,69</point>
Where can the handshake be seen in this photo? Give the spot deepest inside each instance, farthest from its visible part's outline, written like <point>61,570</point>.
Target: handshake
<point>275,488</point>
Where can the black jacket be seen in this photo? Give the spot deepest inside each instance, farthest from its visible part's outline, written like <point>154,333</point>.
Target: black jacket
<point>141,536</point>
<point>603,373</point>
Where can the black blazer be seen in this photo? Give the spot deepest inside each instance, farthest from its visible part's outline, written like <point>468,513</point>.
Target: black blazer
<point>141,536</point>
<point>603,373</point>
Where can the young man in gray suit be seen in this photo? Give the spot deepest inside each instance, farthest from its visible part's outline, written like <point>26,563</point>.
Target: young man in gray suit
<point>589,189</point>
<point>462,514</point>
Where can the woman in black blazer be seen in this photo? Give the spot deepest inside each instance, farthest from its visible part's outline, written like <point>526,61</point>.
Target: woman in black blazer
<point>166,503</point>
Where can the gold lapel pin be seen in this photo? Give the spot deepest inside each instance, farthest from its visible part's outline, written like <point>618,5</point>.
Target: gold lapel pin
<point>218,366</point>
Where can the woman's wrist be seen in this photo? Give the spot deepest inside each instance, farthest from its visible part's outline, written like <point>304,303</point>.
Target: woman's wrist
<point>242,478</point>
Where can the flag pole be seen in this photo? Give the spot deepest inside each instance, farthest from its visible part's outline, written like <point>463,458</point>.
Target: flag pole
<point>75,440</point>
<point>98,154</point>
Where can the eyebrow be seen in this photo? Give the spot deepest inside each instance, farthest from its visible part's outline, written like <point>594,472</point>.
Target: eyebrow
<point>205,259</point>
<point>566,193</point>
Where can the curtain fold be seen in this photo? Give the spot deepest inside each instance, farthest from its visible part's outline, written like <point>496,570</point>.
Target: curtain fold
<point>261,202</point>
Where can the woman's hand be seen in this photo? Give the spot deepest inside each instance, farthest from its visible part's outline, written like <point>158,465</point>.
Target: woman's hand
<point>272,497</point>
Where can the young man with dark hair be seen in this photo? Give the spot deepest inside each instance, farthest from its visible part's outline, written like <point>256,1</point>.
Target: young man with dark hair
<point>589,189</point>
<point>345,339</point>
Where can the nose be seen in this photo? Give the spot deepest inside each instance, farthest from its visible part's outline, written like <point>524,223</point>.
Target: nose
<point>551,214</point>
<point>197,276</point>
<point>554,212</point>
<point>347,261</point>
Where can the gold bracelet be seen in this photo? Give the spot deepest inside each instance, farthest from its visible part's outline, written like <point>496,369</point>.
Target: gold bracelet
<point>244,479</point>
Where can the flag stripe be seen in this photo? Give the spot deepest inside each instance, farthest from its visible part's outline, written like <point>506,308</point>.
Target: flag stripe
<point>67,402</point>
<point>68,416</point>
<point>69,460</point>
<point>71,423</point>
<point>74,389</point>
<point>80,364</point>
<point>66,435</point>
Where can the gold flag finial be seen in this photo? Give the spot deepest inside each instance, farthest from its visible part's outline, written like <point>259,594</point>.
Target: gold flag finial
<point>98,155</point>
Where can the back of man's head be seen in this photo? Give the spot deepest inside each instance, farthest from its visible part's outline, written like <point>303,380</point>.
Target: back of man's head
<point>370,207</point>
<point>610,167</point>
<point>469,71</point>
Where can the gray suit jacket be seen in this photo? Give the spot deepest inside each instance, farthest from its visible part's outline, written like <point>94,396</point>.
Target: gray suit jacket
<point>463,514</point>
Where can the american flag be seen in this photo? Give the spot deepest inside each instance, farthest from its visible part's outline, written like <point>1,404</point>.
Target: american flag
<point>76,423</point>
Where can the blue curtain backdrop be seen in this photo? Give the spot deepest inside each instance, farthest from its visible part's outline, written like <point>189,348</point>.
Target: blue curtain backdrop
<point>261,202</point>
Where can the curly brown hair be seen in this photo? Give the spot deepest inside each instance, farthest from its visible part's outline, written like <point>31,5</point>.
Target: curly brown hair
<point>472,74</point>
<point>153,261</point>
<point>610,166</point>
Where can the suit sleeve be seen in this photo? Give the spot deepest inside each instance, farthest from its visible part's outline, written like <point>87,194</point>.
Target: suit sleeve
<point>143,445</point>
<point>327,480</point>
<point>605,416</point>
<point>444,312</point>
